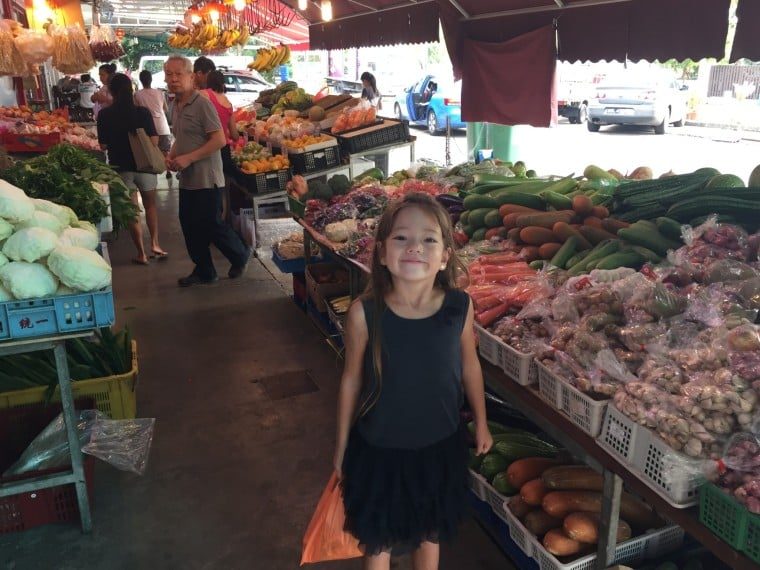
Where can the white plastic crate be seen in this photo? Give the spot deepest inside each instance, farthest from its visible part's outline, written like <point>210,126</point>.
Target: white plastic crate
<point>642,451</point>
<point>493,497</point>
<point>583,410</point>
<point>519,366</point>
<point>477,484</point>
<point>489,346</point>
<point>519,534</point>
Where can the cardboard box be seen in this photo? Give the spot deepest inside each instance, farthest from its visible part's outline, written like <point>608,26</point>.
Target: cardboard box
<point>320,290</point>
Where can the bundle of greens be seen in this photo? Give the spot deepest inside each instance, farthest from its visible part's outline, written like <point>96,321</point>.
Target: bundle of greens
<point>65,175</point>
<point>107,354</point>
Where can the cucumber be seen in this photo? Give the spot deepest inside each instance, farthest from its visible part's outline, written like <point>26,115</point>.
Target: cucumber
<point>578,257</point>
<point>527,200</point>
<point>476,201</point>
<point>647,238</point>
<point>646,253</point>
<point>479,234</point>
<point>599,252</point>
<point>468,230</point>
<point>537,264</point>
<point>477,218</point>
<point>557,201</point>
<point>705,205</point>
<point>493,219</point>
<point>463,217</point>
<point>669,227</point>
<point>567,250</point>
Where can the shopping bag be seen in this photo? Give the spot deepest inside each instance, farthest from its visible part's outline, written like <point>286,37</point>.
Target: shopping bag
<point>148,158</point>
<point>325,538</point>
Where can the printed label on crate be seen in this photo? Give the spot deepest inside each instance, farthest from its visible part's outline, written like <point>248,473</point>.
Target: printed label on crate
<point>616,431</point>
<point>577,407</point>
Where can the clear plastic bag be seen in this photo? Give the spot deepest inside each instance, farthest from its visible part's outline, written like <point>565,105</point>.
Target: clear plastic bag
<point>125,444</point>
<point>34,47</point>
<point>104,45</point>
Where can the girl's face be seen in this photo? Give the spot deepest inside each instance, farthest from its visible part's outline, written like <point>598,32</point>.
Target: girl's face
<point>414,250</point>
<point>366,84</point>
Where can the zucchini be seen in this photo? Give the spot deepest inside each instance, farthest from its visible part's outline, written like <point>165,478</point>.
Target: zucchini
<point>669,227</point>
<point>479,234</point>
<point>527,200</point>
<point>463,217</point>
<point>468,230</point>
<point>647,254</point>
<point>643,236</point>
<point>557,201</point>
<point>537,264</point>
<point>492,464</point>
<point>477,218</point>
<point>620,259</point>
<point>476,201</point>
<point>599,252</point>
<point>475,460</point>
<point>578,257</point>
<point>514,450</point>
<point>567,250</point>
<point>563,186</point>
<point>493,219</point>
<point>502,486</point>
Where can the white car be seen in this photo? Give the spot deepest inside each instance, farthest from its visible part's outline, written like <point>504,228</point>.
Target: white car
<point>243,87</point>
<point>653,100</point>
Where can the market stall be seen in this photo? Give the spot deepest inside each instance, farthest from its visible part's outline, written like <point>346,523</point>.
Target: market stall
<point>601,301</point>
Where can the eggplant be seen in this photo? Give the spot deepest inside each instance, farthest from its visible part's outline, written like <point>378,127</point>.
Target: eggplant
<point>449,199</point>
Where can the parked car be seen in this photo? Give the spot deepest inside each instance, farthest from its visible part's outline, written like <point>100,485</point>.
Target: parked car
<point>654,100</point>
<point>429,103</point>
<point>243,87</point>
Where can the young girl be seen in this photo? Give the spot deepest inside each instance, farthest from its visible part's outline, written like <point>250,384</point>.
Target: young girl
<point>410,359</point>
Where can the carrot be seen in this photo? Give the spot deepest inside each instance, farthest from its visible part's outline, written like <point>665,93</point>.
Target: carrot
<point>563,231</point>
<point>600,212</point>
<point>545,219</point>
<point>487,303</point>
<point>488,317</point>
<point>547,250</point>
<point>515,208</point>
<point>593,221</point>
<point>535,235</point>
<point>498,258</point>
<point>514,234</point>
<point>582,204</point>
<point>612,225</point>
<point>533,492</point>
<point>510,220</point>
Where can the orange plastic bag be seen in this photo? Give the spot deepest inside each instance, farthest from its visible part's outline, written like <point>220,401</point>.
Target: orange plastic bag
<point>325,538</point>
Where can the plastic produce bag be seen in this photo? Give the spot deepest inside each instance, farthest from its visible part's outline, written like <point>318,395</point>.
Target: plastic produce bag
<point>80,268</point>
<point>125,444</point>
<point>13,64</point>
<point>15,205</point>
<point>34,47</point>
<point>104,45</point>
<point>30,244</point>
<point>71,50</point>
<point>325,538</point>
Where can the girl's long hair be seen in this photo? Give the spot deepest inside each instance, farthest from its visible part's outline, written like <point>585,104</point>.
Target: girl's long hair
<point>123,95</point>
<point>381,281</point>
<point>367,76</point>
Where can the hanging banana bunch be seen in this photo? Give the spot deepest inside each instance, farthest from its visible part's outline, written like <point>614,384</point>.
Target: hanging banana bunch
<point>268,59</point>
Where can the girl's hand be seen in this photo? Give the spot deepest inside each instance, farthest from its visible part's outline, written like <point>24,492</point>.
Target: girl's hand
<point>483,440</point>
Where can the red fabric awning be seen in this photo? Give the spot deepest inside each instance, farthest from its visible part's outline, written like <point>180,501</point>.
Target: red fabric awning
<point>596,30</point>
<point>511,82</point>
<point>407,24</point>
<point>747,38</point>
<point>295,35</point>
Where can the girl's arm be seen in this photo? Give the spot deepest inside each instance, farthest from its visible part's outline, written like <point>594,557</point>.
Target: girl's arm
<point>472,377</point>
<point>234,134</point>
<point>355,339</point>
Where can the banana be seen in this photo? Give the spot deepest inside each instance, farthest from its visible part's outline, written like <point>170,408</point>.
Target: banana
<point>286,59</point>
<point>280,56</point>
<point>244,35</point>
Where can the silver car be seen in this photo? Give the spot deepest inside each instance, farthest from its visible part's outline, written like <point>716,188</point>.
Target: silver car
<point>650,100</point>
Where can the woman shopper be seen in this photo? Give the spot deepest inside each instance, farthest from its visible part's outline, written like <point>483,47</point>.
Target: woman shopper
<point>155,101</point>
<point>114,125</point>
<point>410,360</point>
<point>102,97</point>
<point>369,90</point>
<point>214,92</point>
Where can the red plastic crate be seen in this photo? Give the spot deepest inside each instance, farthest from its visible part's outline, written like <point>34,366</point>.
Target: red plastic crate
<point>14,142</point>
<point>19,426</point>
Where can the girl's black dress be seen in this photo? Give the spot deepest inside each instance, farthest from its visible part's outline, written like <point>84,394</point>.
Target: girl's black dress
<point>405,466</point>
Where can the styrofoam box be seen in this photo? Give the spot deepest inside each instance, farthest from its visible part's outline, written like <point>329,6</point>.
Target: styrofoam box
<point>642,451</point>
<point>584,411</point>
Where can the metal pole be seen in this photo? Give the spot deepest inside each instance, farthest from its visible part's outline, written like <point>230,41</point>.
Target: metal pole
<point>69,419</point>
<point>448,140</point>
<point>613,488</point>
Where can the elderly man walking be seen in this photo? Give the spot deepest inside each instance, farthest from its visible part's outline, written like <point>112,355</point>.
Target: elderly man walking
<point>198,138</point>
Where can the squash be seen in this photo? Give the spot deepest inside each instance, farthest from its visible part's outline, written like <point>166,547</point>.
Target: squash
<point>533,492</point>
<point>573,478</point>
<point>559,544</point>
<point>561,503</point>
<point>584,527</point>
<point>523,470</point>
<point>538,522</point>
<point>518,507</point>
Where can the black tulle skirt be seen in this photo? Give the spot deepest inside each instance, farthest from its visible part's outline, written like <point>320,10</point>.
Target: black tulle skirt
<point>396,499</point>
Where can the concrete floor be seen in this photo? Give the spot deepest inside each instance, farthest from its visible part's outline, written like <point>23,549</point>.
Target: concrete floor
<point>236,469</point>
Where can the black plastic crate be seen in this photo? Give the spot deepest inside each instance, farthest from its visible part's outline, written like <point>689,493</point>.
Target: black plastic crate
<point>393,132</point>
<point>315,160</point>
<point>264,182</point>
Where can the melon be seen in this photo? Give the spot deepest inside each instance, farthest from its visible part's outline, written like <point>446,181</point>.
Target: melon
<point>316,113</point>
<point>754,178</point>
<point>725,181</point>
<point>707,171</point>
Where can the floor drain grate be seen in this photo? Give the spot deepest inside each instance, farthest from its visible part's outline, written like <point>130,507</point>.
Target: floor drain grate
<point>287,384</point>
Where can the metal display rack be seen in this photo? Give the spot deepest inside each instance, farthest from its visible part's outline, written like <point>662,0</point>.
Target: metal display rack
<point>76,475</point>
<point>580,444</point>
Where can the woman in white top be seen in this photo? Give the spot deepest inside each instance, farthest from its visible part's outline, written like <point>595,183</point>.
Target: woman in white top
<point>155,102</point>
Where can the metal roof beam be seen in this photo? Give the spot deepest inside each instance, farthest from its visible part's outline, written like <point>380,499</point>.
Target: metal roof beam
<point>376,11</point>
<point>540,9</point>
<point>459,8</point>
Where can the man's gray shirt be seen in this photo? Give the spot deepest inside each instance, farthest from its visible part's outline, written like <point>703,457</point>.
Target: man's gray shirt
<point>191,124</point>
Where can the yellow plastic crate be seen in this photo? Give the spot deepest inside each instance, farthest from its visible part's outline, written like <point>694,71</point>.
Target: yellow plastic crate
<point>113,395</point>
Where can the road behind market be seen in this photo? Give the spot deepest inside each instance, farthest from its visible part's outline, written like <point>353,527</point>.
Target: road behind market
<point>570,148</point>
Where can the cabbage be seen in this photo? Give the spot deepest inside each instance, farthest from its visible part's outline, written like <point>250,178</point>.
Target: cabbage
<point>79,268</point>
<point>28,280</point>
<point>53,209</point>
<point>43,220</point>
<point>15,206</point>
<point>30,244</point>
<point>64,290</point>
<point>5,295</point>
<point>6,229</point>
<point>85,225</point>
<point>3,260</point>
<point>79,238</point>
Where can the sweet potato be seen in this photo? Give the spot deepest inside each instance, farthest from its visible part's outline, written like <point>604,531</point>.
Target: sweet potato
<point>514,234</point>
<point>518,507</point>
<point>523,470</point>
<point>538,522</point>
<point>559,544</point>
<point>533,492</point>
<point>510,220</point>
<point>584,527</point>
<point>582,204</point>
<point>600,212</point>
<point>535,235</point>
<point>505,209</point>
<point>548,250</point>
<point>545,219</point>
<point>561,503</point>
<point>593,221</point>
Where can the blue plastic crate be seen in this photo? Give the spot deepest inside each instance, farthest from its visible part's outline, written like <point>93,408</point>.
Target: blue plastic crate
<point>54,315</point>
<point>297,265</point>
